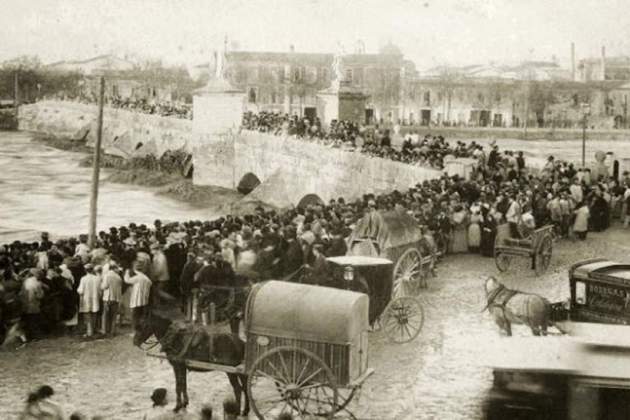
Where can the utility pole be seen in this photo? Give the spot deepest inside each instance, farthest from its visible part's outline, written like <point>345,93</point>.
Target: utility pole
<point>16,89</point>
<point>527,97</point>
<point>584,140</point>
<point>96,166</point>
<point>625,111</point>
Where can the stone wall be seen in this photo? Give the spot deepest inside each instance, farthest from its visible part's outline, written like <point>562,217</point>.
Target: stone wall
<point>288,168</point>
<point>125,133</point>
<point>297,168</point>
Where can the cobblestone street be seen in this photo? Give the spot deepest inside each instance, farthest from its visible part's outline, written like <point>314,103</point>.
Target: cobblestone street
<point>438,376</point>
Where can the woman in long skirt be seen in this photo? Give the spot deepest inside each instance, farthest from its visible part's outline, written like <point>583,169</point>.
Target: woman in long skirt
<point>599,212</point>
<point>474,230</point>
<point>460,230</point>
<point>580,226</point>
<point>488,233</point>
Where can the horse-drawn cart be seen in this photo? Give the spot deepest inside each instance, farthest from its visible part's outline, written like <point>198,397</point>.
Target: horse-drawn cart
<point>399,311</point>
<point>600,293</point>
<point>580,374</point>
<point>537,246</point>
<point>306,349</point>
<point>397,237</point>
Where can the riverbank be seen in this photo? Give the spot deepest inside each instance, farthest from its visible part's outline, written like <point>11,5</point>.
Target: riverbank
<point>171,184</point>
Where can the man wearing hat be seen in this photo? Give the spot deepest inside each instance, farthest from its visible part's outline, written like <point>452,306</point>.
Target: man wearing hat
<point>140,294</point>
<point>32,293</point>
<point>159,268</point>
<point>82,249</point>
<point>90,296</point>
<point>112,295</point>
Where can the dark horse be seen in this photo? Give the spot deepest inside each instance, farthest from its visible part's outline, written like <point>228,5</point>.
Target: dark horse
<point>183,341</point>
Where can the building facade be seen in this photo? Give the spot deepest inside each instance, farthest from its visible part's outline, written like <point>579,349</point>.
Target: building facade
<point>532,94</point>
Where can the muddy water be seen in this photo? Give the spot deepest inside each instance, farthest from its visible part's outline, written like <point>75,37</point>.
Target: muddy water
<point>44,189</point>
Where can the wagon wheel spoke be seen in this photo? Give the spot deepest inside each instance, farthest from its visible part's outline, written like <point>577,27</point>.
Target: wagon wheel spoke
<point>299,380</point>
<point>415,264</point>
<point>404,320</point>
<point>278,372</point>
<point>299,377</point>
<point>311,376</point>
<point>267,376</point>
<point>407,273</point>
<point>289,374</point>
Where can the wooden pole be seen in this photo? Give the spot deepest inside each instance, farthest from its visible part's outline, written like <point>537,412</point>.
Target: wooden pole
<point>16,94</point>
<point>584,141</point>
<point>96,166</point>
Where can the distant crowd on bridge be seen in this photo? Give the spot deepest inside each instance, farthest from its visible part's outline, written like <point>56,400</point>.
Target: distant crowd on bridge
<point>46,285</point>
<point>173,109</point>
<point>411,149</point>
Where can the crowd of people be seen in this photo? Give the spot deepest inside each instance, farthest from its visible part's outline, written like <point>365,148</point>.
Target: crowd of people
<point>174,109</point>
<point>411,148</point>
<point>155,107</point>
<point>66,277</point>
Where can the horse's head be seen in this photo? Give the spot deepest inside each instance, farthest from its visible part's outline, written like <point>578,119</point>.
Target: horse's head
<point>491,285</point>
<point>156,321</point>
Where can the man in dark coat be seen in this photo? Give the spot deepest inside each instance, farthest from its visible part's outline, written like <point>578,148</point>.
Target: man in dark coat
<point>187,281</point>
<point>520,162</point>
<point>338,246</point>
<point>493,157</point>
<point>175,255</point>
<point>293,256</point>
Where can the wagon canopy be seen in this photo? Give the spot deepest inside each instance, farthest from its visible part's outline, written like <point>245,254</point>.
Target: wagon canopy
<point>305,312</point>
<point>389,229</point>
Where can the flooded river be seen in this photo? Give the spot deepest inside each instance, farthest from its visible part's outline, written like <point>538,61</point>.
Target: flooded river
<point>45,189</point>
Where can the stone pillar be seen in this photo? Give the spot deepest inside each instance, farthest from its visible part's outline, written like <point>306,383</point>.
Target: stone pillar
<point>341,102</point>
<point>217,114</point>
<point>217,108</point>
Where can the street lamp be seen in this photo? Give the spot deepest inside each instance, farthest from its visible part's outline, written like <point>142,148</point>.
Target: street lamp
<point>586,110</point>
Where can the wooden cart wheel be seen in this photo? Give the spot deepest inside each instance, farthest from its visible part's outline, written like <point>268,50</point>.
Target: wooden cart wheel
<point>502,261</point>
<point>543,255</point>
<point>404,318</point>
<point>293,380</point>
<point>408,274</point>
<point>344,397</point>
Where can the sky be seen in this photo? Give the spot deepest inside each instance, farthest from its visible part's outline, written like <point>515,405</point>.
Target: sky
<point>429,32</point>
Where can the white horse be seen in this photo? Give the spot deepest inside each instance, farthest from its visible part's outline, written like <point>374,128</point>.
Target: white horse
<point>512,306</point>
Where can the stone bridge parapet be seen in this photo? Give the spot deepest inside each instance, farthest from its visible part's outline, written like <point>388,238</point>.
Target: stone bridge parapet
<point>298,168</point>
<point>125,133</point>
<point>286,168</point>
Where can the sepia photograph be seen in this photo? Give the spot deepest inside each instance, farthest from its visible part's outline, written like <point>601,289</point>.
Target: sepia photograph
<point>314,209</point>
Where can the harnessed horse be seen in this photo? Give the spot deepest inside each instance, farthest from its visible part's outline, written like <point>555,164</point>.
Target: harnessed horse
<point>183,341</point>
<point>509,306</point>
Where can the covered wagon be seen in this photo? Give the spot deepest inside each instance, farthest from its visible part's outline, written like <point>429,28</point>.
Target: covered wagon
<point>398,237</point>
<point>307,348</point>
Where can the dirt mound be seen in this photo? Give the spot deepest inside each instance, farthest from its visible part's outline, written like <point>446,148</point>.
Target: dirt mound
<point>143,177</point>
<point>62,143</point>
<point>185,190</point>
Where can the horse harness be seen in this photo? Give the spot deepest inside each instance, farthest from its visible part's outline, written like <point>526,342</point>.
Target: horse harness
<point>500,297</point>
<point>196,332</point>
